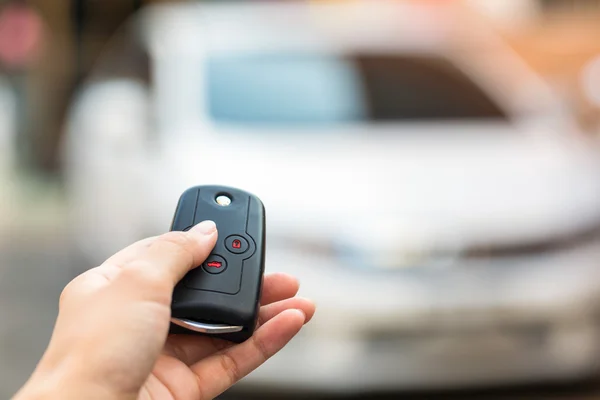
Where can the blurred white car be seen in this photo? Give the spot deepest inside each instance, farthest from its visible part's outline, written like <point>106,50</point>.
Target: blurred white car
<point>431,193</point>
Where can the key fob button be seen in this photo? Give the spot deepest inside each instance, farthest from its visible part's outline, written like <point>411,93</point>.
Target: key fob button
<point>236,244</point>
<point>214,264</point>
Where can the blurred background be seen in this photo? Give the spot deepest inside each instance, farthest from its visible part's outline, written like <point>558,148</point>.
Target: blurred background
<point>430,171</point>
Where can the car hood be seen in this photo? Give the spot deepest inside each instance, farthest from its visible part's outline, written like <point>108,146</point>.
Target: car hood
<point>401,189</point>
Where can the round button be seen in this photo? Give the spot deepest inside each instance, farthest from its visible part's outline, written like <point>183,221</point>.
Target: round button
<point>214,264</point>
<point>236,244</point>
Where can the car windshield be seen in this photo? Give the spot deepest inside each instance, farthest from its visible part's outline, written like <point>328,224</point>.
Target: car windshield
<point>316,89</point>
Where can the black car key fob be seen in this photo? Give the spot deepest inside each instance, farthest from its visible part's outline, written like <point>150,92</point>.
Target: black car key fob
<point>221,297</point>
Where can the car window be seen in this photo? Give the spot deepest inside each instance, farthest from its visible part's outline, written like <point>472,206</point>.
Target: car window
<point>400,88</point>
<point>317,89</point>
<point>288,89</point>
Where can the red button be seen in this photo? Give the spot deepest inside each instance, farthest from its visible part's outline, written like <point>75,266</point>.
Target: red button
<point>214,264</point>
<point>236,244</point>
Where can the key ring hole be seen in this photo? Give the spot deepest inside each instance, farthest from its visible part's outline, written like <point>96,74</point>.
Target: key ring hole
<point>223,199</point>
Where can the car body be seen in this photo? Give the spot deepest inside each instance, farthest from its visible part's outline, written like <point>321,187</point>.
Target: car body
<point>431,193</point>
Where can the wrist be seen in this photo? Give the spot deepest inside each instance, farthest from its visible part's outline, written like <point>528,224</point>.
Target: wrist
<point>66,384</point>
<point>40,390</point>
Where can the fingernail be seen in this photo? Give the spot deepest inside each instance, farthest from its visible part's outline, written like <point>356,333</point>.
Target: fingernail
<point>205,228</point>
<point>301,312</point>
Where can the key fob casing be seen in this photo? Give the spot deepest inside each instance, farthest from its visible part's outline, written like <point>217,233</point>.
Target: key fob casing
<point>225,290</point>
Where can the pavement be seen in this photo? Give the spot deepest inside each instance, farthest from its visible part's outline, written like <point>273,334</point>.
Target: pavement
<point>35,265</point>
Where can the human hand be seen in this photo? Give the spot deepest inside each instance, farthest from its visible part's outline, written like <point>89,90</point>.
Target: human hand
<point>111,336</point>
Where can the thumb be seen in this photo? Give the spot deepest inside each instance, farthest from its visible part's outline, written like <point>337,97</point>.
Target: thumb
<point>163,262</point>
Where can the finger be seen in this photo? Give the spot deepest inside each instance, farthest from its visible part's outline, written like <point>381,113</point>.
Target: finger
<point>130,252</point>
<point>190,349</point>
<point>223,369</point>
<point>165,260</point>
<point>96,278</point>
<point>278,286</point>
<point>295,303</point>
<point>88,283</point>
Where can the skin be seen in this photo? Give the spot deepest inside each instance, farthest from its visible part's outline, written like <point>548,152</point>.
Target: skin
<point>111,336</point>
